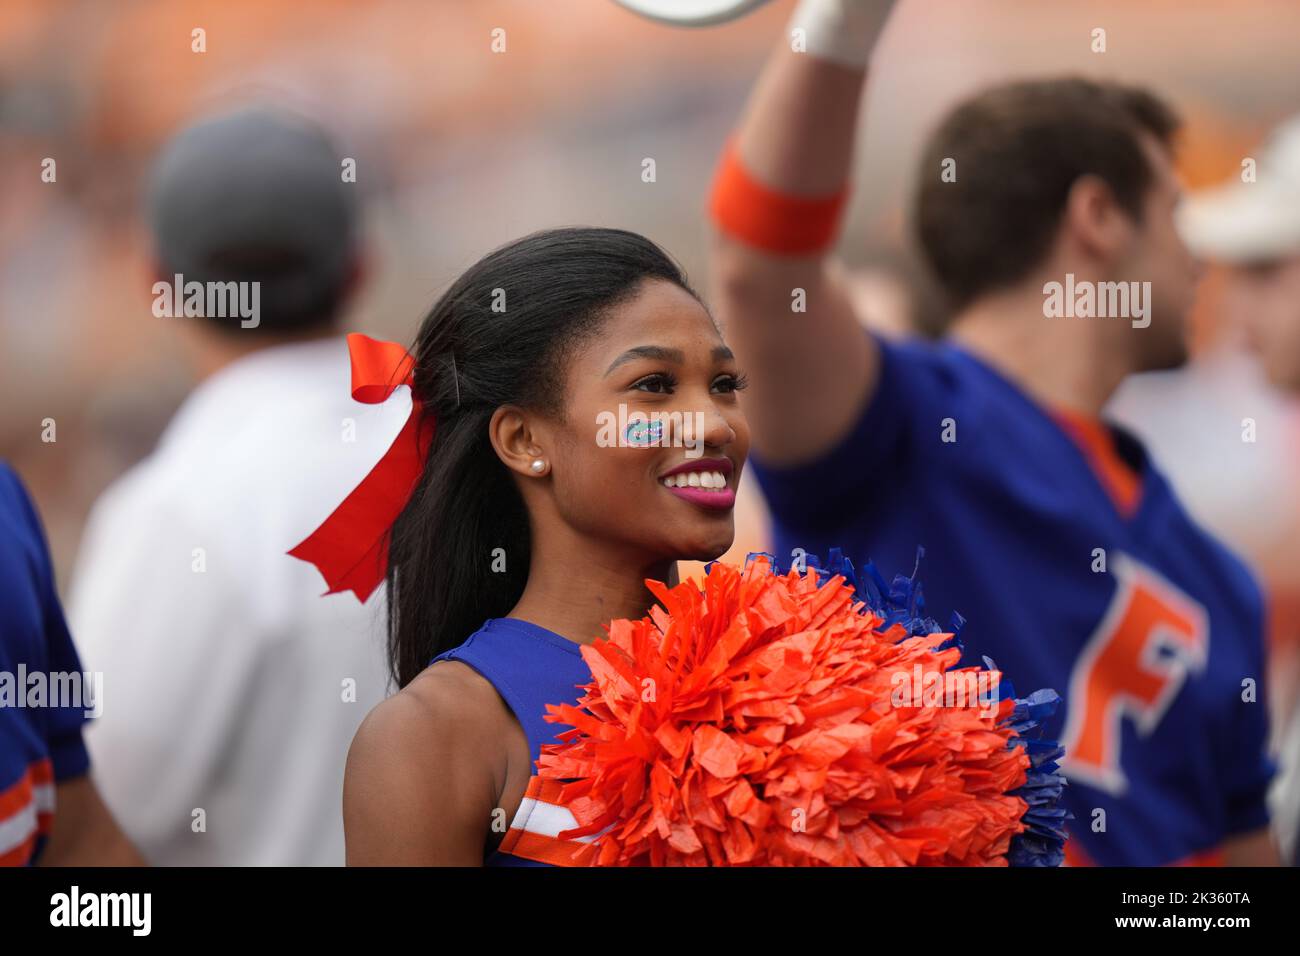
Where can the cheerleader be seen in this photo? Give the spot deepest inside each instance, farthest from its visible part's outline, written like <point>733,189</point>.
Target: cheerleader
<point>521,522</point>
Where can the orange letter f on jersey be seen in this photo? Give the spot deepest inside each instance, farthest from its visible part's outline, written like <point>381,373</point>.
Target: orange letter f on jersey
<point>1136,661</point>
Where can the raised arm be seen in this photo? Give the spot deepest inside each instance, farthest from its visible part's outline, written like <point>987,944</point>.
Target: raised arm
<point>775,208</point>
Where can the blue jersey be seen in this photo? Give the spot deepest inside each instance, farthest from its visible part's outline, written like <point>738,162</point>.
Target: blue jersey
<point>40,744</point>
<point>530,667</point>
<point>1149,628</point>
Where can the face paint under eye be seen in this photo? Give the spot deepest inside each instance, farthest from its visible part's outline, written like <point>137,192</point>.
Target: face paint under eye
<point>642,432</point>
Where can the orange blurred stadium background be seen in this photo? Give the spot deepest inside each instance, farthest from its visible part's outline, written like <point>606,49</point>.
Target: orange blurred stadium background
<point>460,149</point>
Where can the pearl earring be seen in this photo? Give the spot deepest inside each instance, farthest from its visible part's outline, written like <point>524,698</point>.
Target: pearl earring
<point>538,465</point>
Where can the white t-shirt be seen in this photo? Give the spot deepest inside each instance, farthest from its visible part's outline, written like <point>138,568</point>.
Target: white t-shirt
<point>231,687</point>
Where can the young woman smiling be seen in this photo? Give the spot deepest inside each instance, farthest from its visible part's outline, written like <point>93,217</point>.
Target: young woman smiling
<point>523,534</point>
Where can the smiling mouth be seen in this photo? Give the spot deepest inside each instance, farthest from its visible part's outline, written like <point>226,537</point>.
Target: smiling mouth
<point>708,489</point>
<point>706,480</point>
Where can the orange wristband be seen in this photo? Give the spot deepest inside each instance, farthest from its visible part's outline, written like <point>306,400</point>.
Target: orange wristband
<point>763,217</point>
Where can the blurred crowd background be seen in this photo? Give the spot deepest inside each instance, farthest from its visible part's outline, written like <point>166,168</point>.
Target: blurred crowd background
<point>459,149</point>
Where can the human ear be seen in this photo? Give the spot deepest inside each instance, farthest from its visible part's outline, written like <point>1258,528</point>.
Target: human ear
<point>516,438</point>
<point>1094,219</point>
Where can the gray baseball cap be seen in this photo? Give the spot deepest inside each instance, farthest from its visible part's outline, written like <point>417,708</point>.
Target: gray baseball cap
<point>257,195</point>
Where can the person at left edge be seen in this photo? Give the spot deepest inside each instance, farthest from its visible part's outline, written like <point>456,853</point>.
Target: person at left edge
<point>50,809</point>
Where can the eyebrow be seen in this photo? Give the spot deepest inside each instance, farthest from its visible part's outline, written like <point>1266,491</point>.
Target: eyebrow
<point>676,356</point>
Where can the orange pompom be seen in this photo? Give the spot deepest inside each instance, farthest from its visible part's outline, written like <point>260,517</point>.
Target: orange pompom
<point>767,720</point>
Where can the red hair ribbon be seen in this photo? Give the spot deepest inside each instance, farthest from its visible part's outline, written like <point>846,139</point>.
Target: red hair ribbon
<point>350,548</point>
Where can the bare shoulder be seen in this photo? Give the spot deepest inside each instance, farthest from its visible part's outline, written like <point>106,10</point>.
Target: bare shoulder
<point>446,707</point>
<point>449,689</point>
<point>425,770</point>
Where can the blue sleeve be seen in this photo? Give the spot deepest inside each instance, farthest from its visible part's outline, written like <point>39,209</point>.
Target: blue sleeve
<point>1250,766</point>
<point>64,725</point>
<point>68,753</point>
<point>873,452</point>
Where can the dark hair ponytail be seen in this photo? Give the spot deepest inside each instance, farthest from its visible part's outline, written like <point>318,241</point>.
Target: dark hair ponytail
<point>469,360</point>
